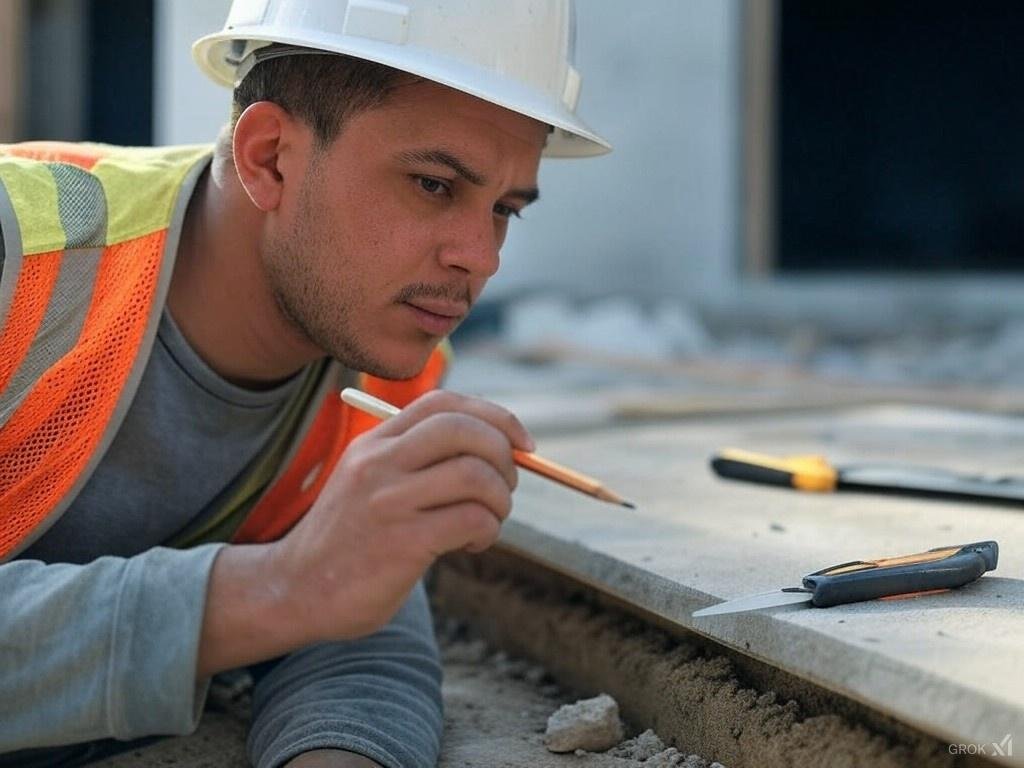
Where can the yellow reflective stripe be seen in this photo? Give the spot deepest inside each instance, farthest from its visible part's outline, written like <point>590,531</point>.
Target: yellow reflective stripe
<point>33,194</point>
<point>142,186</point>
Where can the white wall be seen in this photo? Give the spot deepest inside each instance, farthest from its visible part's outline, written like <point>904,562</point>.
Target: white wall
<point>657,217</point>
<point>188,107</point>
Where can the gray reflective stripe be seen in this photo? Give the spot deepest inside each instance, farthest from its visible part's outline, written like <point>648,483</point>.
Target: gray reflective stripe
<point>83,216</point>
<point>141,359</point>
<point>59,329</point>
<point>82,206</point>
<point>10,253</point>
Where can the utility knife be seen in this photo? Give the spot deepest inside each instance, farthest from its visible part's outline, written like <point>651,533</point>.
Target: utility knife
<point>936,570</point>
<point>816,474</point>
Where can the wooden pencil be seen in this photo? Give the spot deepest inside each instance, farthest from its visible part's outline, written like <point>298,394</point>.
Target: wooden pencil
<point>531,461</point>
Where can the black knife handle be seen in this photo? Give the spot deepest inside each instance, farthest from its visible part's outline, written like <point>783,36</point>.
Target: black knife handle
<point>936,569</point>
<point>752,473</point>
<point>805,473</point>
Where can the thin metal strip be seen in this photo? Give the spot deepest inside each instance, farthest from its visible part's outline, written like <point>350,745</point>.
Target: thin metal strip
<point>757,602</point>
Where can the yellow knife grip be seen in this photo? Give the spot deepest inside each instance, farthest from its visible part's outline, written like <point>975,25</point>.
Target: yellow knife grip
<point>807,473</point>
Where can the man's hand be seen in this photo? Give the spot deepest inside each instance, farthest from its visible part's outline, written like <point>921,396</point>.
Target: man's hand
<point>435,478</point>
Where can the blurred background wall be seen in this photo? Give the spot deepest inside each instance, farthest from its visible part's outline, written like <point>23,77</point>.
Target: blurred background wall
<point>851,162</point>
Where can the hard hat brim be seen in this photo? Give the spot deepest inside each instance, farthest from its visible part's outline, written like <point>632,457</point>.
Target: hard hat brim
<point>571,136</point>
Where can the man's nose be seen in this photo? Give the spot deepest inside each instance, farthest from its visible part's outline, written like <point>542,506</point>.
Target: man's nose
<point>472,246</point>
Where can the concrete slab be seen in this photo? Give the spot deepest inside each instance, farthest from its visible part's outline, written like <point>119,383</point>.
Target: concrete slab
<point>949,664</point>
<point>576,391</point>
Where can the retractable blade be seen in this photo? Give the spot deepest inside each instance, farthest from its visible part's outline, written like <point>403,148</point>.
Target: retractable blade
<point>787,596</point>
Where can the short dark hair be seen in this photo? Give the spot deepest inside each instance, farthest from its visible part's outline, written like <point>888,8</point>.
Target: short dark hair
<point>321,89</point>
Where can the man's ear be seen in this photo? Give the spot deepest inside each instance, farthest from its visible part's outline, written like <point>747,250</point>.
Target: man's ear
<point>265,146</point>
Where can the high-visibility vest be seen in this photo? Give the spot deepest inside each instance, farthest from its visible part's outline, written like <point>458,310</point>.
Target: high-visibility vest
<point>90,235</point>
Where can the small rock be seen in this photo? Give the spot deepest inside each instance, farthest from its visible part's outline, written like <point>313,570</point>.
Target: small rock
<point>590,724</point>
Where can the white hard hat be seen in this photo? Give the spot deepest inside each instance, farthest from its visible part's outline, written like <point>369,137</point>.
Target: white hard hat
<point>514,53</point>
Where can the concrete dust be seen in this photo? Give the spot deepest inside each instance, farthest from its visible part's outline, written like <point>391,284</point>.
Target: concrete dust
<point>643,747</point>
<point>651,751</point>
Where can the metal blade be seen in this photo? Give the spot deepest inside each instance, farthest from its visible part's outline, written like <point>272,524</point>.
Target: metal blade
<point>754,602</point>
<point>931,481</point>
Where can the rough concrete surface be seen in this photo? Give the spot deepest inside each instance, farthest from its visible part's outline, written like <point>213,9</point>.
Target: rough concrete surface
<point>694,697</point>
<point>948,664</point>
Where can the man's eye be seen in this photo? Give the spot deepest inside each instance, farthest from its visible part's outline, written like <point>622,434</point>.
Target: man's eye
<point>507,211</point>
<point>433,186</point>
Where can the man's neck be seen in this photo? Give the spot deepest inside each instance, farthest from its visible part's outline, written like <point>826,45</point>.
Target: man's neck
<point>219,295</point>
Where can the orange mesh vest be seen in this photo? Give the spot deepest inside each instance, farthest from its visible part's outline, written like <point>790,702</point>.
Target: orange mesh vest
<point>90,233</point>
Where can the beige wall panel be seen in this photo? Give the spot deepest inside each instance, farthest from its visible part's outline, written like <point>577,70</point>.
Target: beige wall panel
<point>11,36</point>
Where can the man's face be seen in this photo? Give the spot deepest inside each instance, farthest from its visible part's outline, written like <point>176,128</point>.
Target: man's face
<point>397,225</point>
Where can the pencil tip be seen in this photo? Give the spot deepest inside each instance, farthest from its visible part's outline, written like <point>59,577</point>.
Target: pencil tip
<point>628,504</point>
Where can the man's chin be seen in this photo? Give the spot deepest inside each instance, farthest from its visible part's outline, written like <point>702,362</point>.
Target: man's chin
<point>396,368</point>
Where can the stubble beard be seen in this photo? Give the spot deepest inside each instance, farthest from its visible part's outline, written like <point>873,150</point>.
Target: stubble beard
<point>305,301</point>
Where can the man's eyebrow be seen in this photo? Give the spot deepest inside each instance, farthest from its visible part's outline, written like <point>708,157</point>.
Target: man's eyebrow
<point>441,157</point>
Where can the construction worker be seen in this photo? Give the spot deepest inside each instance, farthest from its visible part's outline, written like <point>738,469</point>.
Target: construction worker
<point>182,491</point>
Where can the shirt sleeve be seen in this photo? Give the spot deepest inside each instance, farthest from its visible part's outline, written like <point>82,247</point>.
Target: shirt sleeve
<point>379,696</point>
<point>103,650</point>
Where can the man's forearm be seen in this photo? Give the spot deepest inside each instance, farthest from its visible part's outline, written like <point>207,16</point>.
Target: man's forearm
<point>85,646</point>
<point>378,695</point>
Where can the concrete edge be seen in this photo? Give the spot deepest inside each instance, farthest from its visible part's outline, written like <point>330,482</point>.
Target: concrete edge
<point>673,603</point>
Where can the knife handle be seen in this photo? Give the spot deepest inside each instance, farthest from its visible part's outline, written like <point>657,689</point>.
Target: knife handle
<point>805,473</point>
<point>936,569</point>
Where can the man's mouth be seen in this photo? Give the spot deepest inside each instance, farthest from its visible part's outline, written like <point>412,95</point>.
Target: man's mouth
<point>455,311</point>
<point>437,318</point>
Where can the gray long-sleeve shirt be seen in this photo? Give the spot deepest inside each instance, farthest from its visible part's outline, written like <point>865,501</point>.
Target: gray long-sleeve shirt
<point>99,626</point>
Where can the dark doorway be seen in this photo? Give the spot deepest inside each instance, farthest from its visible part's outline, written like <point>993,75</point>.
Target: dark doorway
<point>899,143</point>
<point>121,71</point>
<point>89,71</point>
